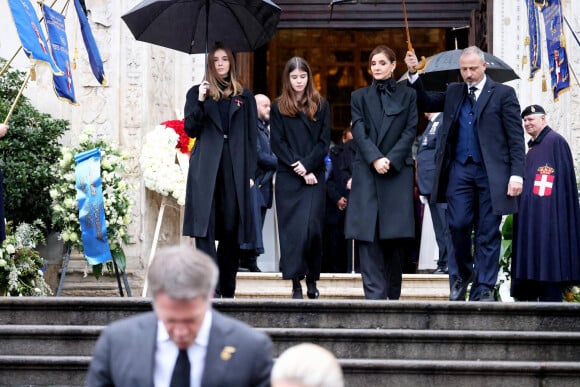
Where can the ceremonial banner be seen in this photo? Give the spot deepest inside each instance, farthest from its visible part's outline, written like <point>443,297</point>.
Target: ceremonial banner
<point>535,38</point>
<point>55,26</point>
<point>30,33</point>
<point>556,43</point>
<point>91,45</point>
<point>91,206</point>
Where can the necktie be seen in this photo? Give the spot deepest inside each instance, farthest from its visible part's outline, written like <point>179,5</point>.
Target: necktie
<point>471,95</point>
<point>181,371</point>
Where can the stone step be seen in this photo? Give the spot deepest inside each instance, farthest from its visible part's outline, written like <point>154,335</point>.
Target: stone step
<point>419,287</point>
<point>432,373</point>
<point>71,371</point>
<point>353,314</point>
<point>43,371</point>
<point>56,340</point>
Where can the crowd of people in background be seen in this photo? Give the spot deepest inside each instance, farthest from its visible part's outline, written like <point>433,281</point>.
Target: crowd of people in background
<point>355,206</point>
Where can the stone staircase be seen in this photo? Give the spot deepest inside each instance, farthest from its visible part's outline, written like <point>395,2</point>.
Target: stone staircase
<point>419,287</point>
<point>48,341</point>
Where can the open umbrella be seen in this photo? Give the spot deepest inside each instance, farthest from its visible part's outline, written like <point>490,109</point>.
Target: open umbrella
<point>191,25</point>
<point>443,68</point>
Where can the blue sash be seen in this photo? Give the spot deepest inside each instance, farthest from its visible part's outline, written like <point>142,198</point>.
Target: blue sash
<point>91,206</point>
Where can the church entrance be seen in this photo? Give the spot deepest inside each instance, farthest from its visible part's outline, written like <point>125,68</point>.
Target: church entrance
<point>339,61</point>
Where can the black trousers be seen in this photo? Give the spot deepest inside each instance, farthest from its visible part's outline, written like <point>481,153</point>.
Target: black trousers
<point>381,265</point>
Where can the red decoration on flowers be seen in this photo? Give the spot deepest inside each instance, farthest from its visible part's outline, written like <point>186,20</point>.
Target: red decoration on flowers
<point>184,141</point>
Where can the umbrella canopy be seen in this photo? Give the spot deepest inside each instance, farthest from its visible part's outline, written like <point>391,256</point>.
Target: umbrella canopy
<point>443,68</point>
<point>191,25</point>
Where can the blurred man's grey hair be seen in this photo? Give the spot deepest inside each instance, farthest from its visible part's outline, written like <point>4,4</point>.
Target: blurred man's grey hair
<point>182,272</point>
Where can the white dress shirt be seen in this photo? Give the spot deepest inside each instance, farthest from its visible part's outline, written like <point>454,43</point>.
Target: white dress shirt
<point>166,354</point>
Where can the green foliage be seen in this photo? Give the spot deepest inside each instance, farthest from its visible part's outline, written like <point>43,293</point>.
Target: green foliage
<point>27,153</point>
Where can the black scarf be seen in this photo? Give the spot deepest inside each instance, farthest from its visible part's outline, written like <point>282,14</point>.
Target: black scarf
<point>385,85</point>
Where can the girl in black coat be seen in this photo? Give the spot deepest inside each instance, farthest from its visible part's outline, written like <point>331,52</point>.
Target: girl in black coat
<point>221,115</point>
<point>300,137</point>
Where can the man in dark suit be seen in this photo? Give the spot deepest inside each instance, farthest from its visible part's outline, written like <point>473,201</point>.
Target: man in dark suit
<point>184,342</point>
<point>425,171</point>
<point>478,168</point>
<point>267,163</point>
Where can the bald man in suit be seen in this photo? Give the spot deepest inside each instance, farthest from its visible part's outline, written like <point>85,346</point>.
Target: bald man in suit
<point>184,342</point>
<point>479,168</point>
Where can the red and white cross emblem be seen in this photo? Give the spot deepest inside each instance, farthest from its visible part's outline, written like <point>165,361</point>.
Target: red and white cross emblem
<point>543,184</point>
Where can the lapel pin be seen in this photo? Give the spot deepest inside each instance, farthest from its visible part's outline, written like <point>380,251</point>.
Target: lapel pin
<point>227,352</point>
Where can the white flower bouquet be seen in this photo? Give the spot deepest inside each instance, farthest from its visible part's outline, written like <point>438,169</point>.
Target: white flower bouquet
<point>21,266</point>
<point>161,172</point>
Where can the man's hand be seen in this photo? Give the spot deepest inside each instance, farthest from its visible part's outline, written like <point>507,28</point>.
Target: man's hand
<point>514,188</point>
<point>411,61</point>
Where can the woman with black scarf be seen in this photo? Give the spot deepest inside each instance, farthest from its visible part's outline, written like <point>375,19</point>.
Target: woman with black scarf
<point>380,213</point>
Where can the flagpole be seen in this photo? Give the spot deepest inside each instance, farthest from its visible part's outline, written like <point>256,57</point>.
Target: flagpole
<point>20,48</point>
<point>17,97</point>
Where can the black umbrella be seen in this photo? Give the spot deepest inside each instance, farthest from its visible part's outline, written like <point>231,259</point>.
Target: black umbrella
<point>443,68</point>
<point>188,26</point>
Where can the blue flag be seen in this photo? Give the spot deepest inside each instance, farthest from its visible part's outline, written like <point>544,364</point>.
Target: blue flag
<point>91,45</point>
<point>92,206</point>
<point>55,26</point>
<point>556,43</point>
<point>30,33</point>
<point>535,38</point>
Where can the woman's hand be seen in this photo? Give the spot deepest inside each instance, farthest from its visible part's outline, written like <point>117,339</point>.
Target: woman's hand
<point>310,179</point>
<point>299,168</point>
<point>382,165</point>
<point>203,89</point>
<point>251,183</point>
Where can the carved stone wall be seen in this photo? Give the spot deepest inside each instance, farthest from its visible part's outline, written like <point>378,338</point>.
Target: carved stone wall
<point>509,30</point>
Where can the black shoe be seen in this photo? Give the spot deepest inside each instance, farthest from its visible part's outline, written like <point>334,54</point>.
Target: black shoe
<point>296,289</point>
<point>486,296</point>
<point>441,270</point>
<point>458,290</point>
<point>254,269</point>
<point>311,291</point>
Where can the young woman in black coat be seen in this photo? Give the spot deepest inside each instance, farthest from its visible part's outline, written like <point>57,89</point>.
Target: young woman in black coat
<point>300,137</point>
<point>221,114</point>
<point>380,212</point>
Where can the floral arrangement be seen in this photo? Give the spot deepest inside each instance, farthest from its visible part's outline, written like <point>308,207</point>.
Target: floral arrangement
<point>117,205</point>
<point>572,294</point>
<point>21,267</point>
<point>161,173</point>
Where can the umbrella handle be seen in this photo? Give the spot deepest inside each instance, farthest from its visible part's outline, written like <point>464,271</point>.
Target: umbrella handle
<point>421,64</point>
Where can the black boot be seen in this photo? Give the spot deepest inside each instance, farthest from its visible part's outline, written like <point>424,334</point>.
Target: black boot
<point>311,290</point>
<point>296,289</point>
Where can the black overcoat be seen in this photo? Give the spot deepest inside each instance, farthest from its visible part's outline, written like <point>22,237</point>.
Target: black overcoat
<point>300,207</point>
<point>203,121</point>
<point>382,202</point>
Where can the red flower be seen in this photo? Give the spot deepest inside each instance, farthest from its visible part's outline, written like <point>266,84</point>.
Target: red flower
<point>184,141</point>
